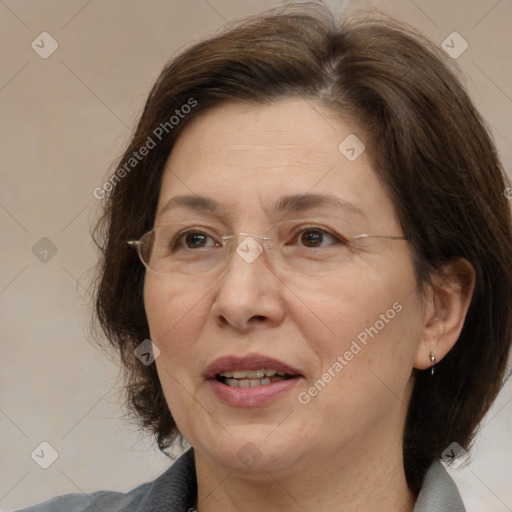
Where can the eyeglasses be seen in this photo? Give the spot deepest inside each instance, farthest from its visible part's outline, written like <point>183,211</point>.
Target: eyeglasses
<point>299,245</point>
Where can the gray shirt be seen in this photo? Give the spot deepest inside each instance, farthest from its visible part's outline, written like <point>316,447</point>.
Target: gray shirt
<point>176,491</point>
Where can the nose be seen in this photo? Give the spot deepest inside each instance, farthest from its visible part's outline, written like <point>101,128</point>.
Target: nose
<point>248,295</point>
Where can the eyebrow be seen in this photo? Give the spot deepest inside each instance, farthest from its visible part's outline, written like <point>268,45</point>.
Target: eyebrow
<point>194,202</point>
<point>290,203</point>
<point>304,202</point>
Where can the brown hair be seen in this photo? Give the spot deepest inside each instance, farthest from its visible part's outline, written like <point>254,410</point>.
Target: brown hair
<point>429,146</point>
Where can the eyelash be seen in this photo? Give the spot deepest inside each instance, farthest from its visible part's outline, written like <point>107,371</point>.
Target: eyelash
<point>179,240</point>
<point>337,239</point>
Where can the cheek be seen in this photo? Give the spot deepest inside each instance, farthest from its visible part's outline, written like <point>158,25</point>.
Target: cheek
<point>175,315</point>
<point>356,303</point>
<point>364,327</point>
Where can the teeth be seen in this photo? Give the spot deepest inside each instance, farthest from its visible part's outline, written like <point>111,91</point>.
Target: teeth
<point>257,374</point>
<point>252,374</point>
<point>251,378</point>
<point>251,383</point>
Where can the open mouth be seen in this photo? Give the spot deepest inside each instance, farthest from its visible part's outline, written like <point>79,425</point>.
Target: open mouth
<point>251,378</point>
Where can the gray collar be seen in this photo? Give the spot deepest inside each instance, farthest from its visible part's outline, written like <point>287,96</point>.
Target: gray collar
<point>439,492</point>
<point>176,491</point>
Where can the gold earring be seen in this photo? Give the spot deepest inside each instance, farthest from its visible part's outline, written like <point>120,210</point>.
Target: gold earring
<point>433,361</point>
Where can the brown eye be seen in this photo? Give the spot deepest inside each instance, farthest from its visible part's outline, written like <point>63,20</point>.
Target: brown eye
<point>312,238</point>
<point>315,237</point>
<point>193,240</point>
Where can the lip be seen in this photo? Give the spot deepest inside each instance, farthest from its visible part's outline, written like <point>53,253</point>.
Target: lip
<point>254,396</point>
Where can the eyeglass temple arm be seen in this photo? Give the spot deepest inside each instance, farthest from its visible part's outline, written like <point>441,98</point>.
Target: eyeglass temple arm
<point>136,243</point>
<point>381,236</point>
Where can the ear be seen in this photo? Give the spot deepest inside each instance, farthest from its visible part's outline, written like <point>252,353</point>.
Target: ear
<point>445,307</point>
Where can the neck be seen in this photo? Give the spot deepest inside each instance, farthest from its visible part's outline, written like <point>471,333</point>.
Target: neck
<point>370,479</point>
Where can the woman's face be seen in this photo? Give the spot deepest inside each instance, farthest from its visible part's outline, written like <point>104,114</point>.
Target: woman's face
<point>346,333</point>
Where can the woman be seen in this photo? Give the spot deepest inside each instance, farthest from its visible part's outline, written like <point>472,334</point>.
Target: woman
<point>326,275</point>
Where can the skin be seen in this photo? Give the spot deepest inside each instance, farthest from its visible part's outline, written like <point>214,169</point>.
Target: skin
<point>342,450</point>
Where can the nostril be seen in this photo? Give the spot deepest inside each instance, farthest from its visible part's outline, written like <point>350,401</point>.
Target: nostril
<point>259,318</point>
<point>222,321</point>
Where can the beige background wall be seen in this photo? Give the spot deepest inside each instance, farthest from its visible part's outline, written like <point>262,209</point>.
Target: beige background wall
<point>64,119</point>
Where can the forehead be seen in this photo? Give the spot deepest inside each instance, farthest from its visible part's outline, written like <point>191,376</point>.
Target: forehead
<point>247,157</point>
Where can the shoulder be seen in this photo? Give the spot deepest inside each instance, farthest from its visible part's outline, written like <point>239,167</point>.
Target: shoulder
<point>439,492</point>
<point>173,491</point>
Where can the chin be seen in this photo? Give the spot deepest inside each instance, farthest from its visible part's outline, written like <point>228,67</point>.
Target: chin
<point>253,451</point>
